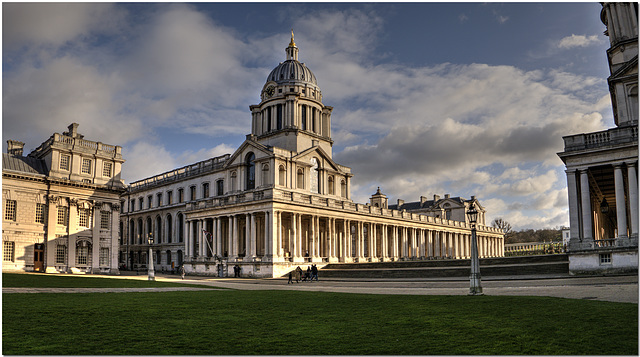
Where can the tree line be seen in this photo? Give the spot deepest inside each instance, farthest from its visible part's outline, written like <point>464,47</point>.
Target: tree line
<point>527,235</point>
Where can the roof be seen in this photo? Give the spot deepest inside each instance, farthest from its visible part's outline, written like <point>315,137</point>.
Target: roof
<point>427,204</point>
<point>24,164</point>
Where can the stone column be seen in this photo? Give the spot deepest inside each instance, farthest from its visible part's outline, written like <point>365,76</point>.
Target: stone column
<point>233,237</point>
<point>218,228</point>
<point>621,207</point>
<point>633,196</point>
<point>52,220</point>
<point>587,225</point>
<point>312,238</point>
<point>95,239</point>
<point>276,234</point>
<point>574,212</point>
<point>253,236</point>
<point>73,230</point>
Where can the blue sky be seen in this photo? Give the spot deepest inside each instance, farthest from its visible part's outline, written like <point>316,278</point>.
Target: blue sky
<point>429,98</point>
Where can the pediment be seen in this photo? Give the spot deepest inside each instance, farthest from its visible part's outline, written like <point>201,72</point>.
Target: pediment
<point>259,150</point>
<point>306,155</point>
<point>628,69</point>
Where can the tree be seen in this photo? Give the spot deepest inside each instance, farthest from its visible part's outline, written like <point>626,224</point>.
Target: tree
<point>502,224</point>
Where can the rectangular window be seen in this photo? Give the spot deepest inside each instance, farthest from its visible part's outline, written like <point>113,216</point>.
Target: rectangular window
<point>64,162</point>
<point>149,201</point>
<point>10,210</point>
<point>180,195</point>
<point>82,254</point>
<point>132,205</point>
<point>105,220</point>
<point>170,197</point>
<point>104,256</point>
<point>84,217</point>
<point>86,166</point>
<point>61,254</point>
<point>220,188</point>
<point>63,215</point>
<point>159,197</point>
<point>205,190</point>
<point>141,203</point>
<point>8,251</point>
<point>40,209</point>
<point>605,258</point>
<point>106,169</point>
<point>193,193</point>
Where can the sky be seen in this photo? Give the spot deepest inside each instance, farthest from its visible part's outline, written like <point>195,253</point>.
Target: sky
<point>429,98</point>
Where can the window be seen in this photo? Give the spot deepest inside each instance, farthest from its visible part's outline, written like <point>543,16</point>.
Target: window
<point>304,117</point>
<point>86,180</point>
<point>104,257</point>
<point>40,209</point>
<point>279,117</point>
<point>315,176</point>
<point>170,197</point>
<point>313,120</point>
<point>233,181</point>
<point>159,199</point>
<point>132,205</point>
<point>268,119</point>
<point>64,162</point>
<point>168,257</point>
<point>84,217</point>
<point>8,251</point>
<point>331,185</point>
<point>192,192</point>
<point>105,220</point>
<point>149,201</point>
<point>300,178</point>
<point>220,187</point>
<point>158,257</point>
<point>61,254</point>
<point>180,195</point>
<point>343,188</point>
<point>82,253</point>
<point>106,169</point>
<point>282,174</point>
<point>265,175</point>
<point>63,215</point>
<point>86,166</point>
<point>141,203</point>
<point>605,258</point>
<point>10,210</point>
<point>205,190</point>
<point>250,171</point>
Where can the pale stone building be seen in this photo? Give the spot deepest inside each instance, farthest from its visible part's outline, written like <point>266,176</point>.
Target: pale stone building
<point>280,200</point>
<point>61,205</point>
<point>450,208</point>
<point>602,167</point>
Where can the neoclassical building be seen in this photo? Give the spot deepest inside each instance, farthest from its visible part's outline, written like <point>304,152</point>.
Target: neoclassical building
<point>61,205</point>
<point>280,200</point>
<point>602,167</point>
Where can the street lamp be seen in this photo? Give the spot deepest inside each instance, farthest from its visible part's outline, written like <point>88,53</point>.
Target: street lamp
<point>475,287</point>
<point>151,270</point>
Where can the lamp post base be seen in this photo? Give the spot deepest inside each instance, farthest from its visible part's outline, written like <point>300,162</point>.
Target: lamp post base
<point>475,291</point>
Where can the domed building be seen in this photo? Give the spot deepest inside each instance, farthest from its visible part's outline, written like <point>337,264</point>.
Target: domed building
<point>279,201</point>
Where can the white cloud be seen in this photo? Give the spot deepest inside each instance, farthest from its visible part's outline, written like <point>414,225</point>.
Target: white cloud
<point>578,41</point>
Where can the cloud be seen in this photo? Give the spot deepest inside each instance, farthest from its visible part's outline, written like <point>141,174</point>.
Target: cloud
<point>463,18</point>
<point>578,41</point>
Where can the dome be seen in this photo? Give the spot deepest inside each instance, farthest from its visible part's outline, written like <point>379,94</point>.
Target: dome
<point>292,70</point>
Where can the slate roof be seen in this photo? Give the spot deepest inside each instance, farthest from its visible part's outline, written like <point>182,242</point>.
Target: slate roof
<point>427,204</point>
<point>24,164</point>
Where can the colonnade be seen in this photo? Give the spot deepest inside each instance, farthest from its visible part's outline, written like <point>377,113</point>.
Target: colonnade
<point>299,237</point>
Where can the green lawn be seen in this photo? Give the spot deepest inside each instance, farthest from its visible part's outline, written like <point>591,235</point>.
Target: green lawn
<point>232,322</point>
<point>79,281</point>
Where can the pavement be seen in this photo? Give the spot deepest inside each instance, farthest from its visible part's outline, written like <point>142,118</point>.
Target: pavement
<point>603,288</point>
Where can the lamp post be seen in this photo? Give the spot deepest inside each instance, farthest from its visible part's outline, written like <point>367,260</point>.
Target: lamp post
<point>151,270</point>
<point>475,287</point>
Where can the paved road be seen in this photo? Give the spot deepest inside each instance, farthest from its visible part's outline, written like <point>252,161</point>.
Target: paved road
<point>615,288</point>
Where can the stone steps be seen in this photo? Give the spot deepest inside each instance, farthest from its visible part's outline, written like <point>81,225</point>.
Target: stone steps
<point>527,265</point>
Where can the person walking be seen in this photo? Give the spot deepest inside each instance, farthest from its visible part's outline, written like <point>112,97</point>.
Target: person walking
<point>298,274</point>
<point>314,272</point>
<point>182,271</point>
<point>290,278</point>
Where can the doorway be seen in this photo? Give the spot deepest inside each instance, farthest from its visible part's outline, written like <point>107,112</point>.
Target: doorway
<point>38,257</point>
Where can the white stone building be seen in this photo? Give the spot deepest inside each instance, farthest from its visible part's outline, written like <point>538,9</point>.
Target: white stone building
<point>280,200</point>
<point>602,167</point>
<point>61,205</point>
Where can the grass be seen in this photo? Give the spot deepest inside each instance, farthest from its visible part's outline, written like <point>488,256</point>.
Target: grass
<point>228,322</point>
<point>78,281</point>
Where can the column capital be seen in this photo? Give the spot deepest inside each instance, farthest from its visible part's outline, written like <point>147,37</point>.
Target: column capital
<point>633,163</point>
<point>617,165</point>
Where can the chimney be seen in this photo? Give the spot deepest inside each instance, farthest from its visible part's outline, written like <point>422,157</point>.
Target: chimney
<point>422,200</point>
<point>15,147</point>
<point>473,198</point>
<point>400,203</point>
<point>73,130</point>
<point>446,195</point>
<point>436,198</point>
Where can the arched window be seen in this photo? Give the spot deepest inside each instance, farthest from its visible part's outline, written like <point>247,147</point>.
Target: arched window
<point>180,222</point>
<point>300,179</point>
<point>234,181</point>
<point>83,253</point>
<point>148,230</point>
<point>279,117</point>
<point>633,103</point>
<point>343,188</point>
<point>157,236</point>
<point>179,257</point>
<point>268,120</point>
<point>132,231</point>
<point>250,173</point>
<point>315,176</point>
<point>331,187</point>
<point>265,175</point>
<point>120,233</point>
<point>168,257</point>
<point>140,232</point>
<point>304,117</point>
<point>282,174</point>
<point>169,229</point>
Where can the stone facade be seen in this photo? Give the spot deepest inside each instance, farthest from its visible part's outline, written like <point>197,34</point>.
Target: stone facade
<point>602,174</point>
<point>61,205</point>
<point>280,201</point>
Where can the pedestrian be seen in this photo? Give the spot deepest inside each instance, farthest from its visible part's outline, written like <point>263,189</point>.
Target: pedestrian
<point>290,278</point>
<point>314,272</point>
<point>182,272</point>
<point>298,274</point>
<point>307,274</point>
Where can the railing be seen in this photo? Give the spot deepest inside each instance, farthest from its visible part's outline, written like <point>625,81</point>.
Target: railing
<point>602,243</point>
<point>512,250</point>
<point>68,142</point>
<point>613,136</point>
<point>182,172</point>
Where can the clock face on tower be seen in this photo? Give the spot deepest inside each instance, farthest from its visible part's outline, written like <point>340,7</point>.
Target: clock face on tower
<point>270,90</point>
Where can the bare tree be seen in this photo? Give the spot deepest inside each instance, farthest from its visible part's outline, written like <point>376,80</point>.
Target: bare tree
<point>502,224</point>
